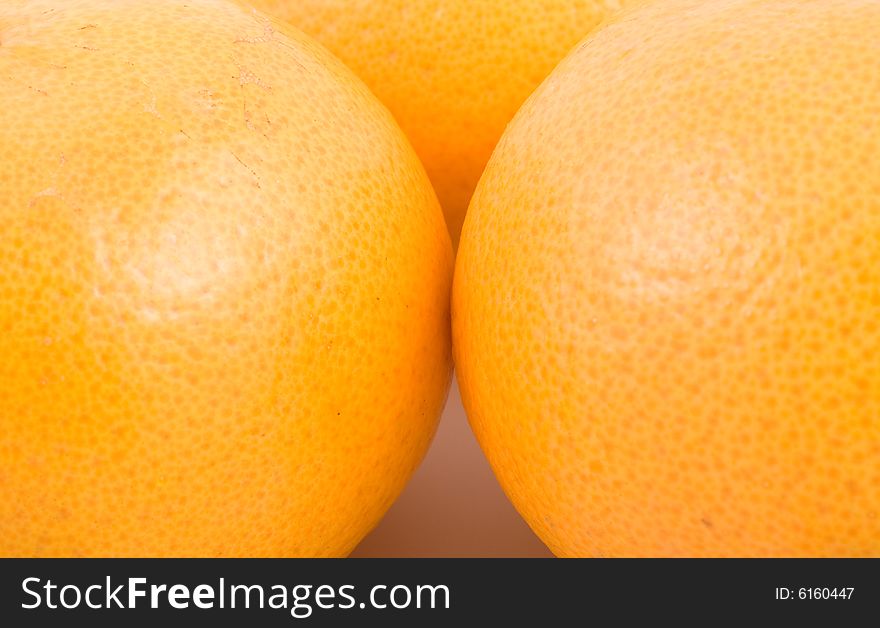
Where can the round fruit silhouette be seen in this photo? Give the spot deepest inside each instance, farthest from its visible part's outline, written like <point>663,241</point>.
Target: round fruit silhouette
<point>453,72</point>
<point>224,287</point>
<point>666,309</point>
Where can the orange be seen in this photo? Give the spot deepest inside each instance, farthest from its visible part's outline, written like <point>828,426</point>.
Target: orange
<point>453,72</point>
<point>224,287</point>
<point>666,309</point>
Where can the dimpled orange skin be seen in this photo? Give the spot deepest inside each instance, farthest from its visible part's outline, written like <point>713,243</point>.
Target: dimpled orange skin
<point>453,72</point>
<point>666,308</point>
<point>223,287</point>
